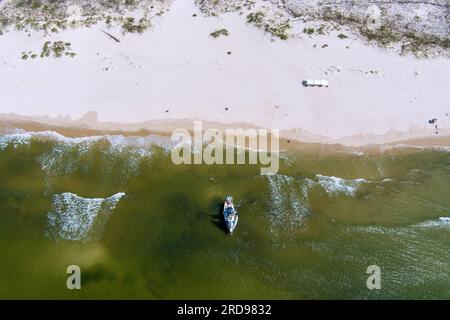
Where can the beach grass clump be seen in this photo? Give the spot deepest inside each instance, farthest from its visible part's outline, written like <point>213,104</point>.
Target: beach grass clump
<point>36,4</point>
<point>220,32</point>
<point>256,18</point>
<point>130,2</point>
<point>342,36</point>
<point>330,15</point>
<point>26,55</point>
<point>45,52</point>
<point>131,26</point>
<point>321,30</point>
<point>52,16</point>
<point>384,35</point>
<point>57,49</point>
<point>275,26</point>
<point>309,31</point>
<point>23,15</point>
<point>216,7</point>
<point>419,44</point>
<point>388,33</point>
<point>279,31</point>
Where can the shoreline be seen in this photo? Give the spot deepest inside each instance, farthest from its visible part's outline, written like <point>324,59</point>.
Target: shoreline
<point>163,129</point>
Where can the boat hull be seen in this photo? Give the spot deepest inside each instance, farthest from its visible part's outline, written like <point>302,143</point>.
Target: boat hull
<point>230,216</point>
<point>231,224</point>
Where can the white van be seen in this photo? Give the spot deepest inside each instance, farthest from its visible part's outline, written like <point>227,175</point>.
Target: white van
<point>315,83</point>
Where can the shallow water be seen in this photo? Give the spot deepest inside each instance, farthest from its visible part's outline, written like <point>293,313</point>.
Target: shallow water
<point>141,227</point>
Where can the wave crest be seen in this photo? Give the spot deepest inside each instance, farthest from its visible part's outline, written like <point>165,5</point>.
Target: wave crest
<point>288,203</point>
<point>75,218</point>
<point>333,185</point>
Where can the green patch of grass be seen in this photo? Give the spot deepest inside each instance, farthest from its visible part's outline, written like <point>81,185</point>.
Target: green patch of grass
<point>51,16</point>
<point>108,20</point>
<point>256,18</point>
<point>321,30</point>
<point>384,35</point>
<point>342,36</point>
<point>278,29</point>
<point>416,43</point>
<point>131,26</point>
<point>329,14</point>
<point>220,32</point>
<point>57,49</point>
<point>45,52</point>
<point>388,34</point>
<point>309,31</point>
<point>36,4</point>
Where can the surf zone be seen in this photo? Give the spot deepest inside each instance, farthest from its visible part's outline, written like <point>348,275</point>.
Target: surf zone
<point>229,146</point>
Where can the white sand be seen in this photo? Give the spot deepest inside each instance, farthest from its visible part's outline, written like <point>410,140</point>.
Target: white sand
<point>178,66</point>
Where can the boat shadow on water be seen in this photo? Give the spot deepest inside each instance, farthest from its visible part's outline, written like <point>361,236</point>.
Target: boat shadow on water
<point>217,216</point>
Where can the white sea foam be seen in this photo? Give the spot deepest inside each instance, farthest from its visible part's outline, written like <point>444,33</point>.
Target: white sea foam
<point>15,139</point>
<point>75,218</point>
<point>400,146</point>
<point>334,185</point>
<point>189,145</point>
<point>65,154</point>
<point>116,142</point>
<point>441,222</point>
<point>390,231</point>
<point>358,153</point>
<point>288,204</point>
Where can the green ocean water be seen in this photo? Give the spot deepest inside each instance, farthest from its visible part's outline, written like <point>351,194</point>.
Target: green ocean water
<point>309,232</point>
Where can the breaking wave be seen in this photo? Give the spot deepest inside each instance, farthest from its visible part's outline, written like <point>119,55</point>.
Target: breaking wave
<point>75,218</point>
<point>117,143</point>
<point>334,185</point>
<point>441,222</point>
<point>15,140</point>
<point>401,146</point>
<point>289,197</point>
<point>64,155</point>
<point>288,204</point>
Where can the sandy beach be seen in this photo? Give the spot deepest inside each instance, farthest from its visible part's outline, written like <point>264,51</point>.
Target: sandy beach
<point>176,72</point>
